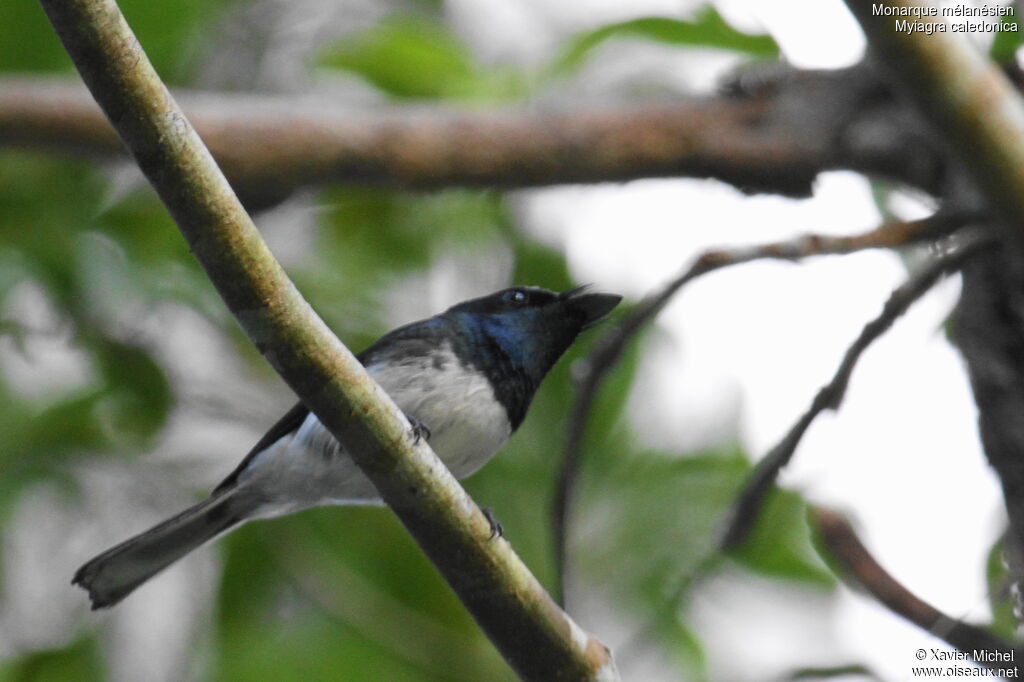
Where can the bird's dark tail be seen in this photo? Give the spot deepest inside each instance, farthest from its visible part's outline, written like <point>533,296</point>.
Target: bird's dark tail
<point>114,574</point>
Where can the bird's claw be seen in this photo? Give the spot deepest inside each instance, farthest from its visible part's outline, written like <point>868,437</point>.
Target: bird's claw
<point>497,531</point>
<point>419,429</point>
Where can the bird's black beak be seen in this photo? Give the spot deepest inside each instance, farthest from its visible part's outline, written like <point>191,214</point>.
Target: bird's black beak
<point>592,306</point>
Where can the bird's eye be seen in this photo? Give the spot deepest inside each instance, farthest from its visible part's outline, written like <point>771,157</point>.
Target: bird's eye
<point>515,297</point>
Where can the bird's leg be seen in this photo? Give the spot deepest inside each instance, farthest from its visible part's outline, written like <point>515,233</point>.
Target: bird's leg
<point>419,429</point>
<point>497,531</point>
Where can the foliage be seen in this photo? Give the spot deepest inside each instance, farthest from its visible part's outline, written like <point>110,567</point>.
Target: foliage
<point>79,660</point>
<point>706,29</point>
<point>344,593</point>
<point>169,31</point>
<point>1000,593</point>
<point>417,58</point>
<point>1006,43</point>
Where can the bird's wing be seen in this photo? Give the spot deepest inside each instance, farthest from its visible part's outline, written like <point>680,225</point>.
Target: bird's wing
<point>419,339</point>
<point>416,339</point>
<point>287,424</point>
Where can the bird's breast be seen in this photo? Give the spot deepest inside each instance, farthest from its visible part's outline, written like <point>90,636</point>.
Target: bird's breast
<point>307,468</point>
<point>467,423</point>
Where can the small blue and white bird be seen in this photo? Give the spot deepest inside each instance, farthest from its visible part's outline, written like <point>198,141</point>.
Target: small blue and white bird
<point>465,377</point>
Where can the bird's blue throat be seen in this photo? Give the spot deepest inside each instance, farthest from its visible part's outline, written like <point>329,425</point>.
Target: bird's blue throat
<point>513,361</point>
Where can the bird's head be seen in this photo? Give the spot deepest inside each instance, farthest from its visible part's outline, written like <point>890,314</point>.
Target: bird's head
<point>533,327</point>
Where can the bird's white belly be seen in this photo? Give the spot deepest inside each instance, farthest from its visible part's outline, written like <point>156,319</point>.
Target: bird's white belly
<point>467,427</point>
<point>467,423</point>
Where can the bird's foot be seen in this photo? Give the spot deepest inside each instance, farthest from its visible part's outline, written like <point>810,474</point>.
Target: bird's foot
<point>497,531</point>
<point>419,429</point>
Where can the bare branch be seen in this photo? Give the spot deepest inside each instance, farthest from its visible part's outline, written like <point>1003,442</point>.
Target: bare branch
<point>775,137</point>
<point>861,568</point>
<point>741,518</point>
<point>606,353</point>
<point>539,640</point>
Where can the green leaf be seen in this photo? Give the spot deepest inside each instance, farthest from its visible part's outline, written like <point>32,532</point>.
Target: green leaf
<point>647,525</point>
<point>780,544</point>
<point>1007,42</point>
<point>65,426</point>
<point>40,231</point>
<point>677,501</point>
<point>39,433</point>
<point>293,573</point>
<point>1000,596</point>
<point>170,32</point>
<point>406,56</point>
<point>174,32</point>
<point>685,648</point>
<point>35,441</point>
<point>78,661</point>
<point>141,225</point>
<point>707,29</point>
<point>138,396</point>
<point>13,271</point>
<point>413,57</point>
<point>682,501</point>
<point>541,265</point>
<point>156,262</point>
<point>27,40</point>
<point>857,671</point>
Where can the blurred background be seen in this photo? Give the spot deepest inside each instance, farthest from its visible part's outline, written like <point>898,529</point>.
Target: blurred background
<point>128,392</point>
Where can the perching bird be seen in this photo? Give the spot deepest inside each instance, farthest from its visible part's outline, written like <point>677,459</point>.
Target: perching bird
<point>466,377</point>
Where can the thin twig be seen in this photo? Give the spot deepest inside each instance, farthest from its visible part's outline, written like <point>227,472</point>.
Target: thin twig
<point>606,353</point>
<point>839,537</point>
<point>740,520</point>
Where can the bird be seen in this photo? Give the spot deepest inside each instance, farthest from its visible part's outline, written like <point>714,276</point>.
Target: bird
<point>464,378</point>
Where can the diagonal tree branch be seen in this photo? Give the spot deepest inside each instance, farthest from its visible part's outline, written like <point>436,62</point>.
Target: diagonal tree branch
<point>539,640</point>
<point>606,353</point>
<point>741,518</point>
<point>861,568</point>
